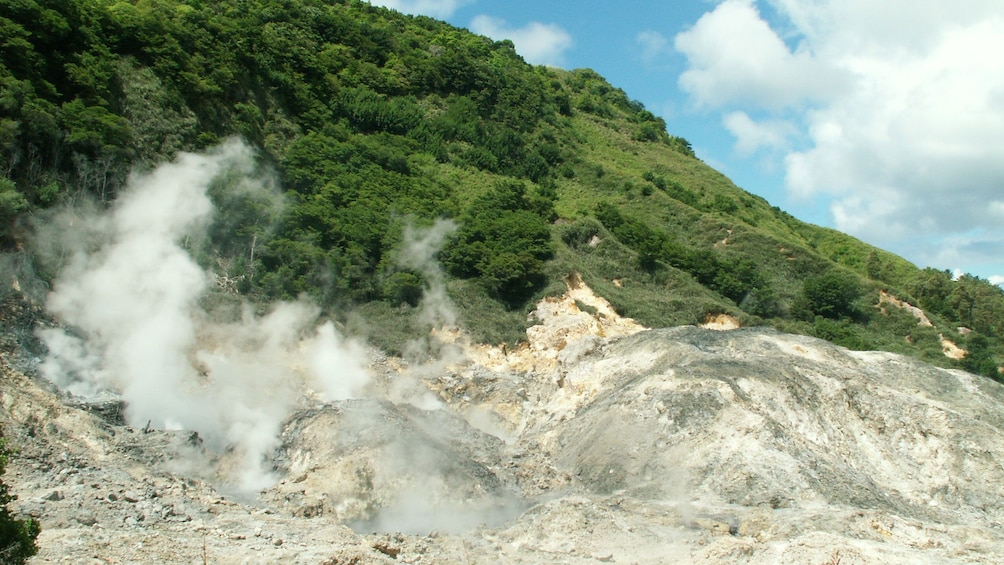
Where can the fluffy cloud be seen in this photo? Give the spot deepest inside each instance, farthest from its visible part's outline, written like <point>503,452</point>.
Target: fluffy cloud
<point>899,104</point>
<point>752,135</point>
<point>538,43</point>
<point>734,56</point>
<point>653,46</point>
<point>441,9</point>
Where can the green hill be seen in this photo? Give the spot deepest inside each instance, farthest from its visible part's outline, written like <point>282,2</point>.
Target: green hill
<point>374,121</point>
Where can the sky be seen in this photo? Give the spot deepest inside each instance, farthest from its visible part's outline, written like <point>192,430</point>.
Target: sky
<point>882,119</point>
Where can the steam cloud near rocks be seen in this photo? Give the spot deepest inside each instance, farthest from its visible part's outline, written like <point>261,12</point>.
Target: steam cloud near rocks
<point>431,354</point>
<point>133,297</point>
<point>133,300</point>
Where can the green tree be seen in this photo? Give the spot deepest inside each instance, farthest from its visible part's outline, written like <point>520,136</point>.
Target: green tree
<point>649,243</point>
<point>503,240</point>
<point>12,203</point>
<point>979,359</point>
<point>932,288</point>
<point>831,294</point>
<point>978,304</point>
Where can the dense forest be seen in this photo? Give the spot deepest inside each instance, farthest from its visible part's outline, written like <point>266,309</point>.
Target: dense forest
<point>373,121</point>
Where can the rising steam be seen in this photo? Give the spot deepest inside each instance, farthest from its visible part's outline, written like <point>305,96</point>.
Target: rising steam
<point>134,302</point>
<point>419,253</point>
<point>133,295</point>
<point>430,354</point>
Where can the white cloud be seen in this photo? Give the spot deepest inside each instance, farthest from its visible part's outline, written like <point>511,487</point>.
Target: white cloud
<point>752,136</point>
<point>901,102</point>
<point>921,131</point>
<point>997,280</point>
<point>980,249</point>
<point>538,43</point>
<point>433,8</point>
<point>734,56</point>
<point>654,46</point>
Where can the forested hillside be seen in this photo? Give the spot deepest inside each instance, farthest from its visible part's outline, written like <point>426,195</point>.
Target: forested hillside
<point>373,121</point>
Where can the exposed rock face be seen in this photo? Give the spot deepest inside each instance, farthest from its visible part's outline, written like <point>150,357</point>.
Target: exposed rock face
<point>377,465</point>
<point>949,347</point>
<point>922,319</point>
<point>757,418</point>
<point>721,322</point>
<point>682,445</point>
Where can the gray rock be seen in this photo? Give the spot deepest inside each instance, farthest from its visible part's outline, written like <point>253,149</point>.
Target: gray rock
<point>679,445</point>
<point>85,518</point>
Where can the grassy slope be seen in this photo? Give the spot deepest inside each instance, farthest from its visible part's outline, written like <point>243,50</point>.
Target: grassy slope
<point>786,248</point>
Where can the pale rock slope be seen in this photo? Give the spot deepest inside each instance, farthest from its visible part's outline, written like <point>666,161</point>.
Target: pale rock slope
<point>597,442</point>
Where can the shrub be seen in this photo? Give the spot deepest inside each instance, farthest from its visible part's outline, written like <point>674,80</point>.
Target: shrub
<point>649,132</point>
<point>17,537</point>
<point>841,333</point>
<point>724,204</point>
<point>12,203</point>
<point>978,358</point>
<point>504,239</point>
<point>580,232</point>
<point>831,294</point>
<point>403,287</point>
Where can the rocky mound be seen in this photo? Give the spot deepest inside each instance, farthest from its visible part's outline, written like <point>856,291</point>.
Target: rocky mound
<point>757,418</point>
<point>386,467</point>
<point>682,445</point>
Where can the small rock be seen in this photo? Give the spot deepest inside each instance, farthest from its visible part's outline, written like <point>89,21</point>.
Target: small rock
<point>277,542</point>
<point>178,518</point>
<point>54,496</point>
<point>86,519</point>
<point>387,549</point>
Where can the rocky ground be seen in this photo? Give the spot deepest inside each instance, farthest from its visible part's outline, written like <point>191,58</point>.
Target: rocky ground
<point>599,441</point>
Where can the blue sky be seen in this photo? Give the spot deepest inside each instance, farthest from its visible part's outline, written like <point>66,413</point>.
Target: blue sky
<point>884,120</point>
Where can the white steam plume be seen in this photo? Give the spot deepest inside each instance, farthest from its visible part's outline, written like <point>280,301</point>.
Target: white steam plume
<point>430,354</point>
<point>418,252</point>
<point>133,299</point>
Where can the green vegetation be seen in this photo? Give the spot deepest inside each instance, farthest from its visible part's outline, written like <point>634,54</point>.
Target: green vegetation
<point>831,294</point>
<point>503,241</point>
<point>17,537</point>
<point>374,120</point>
